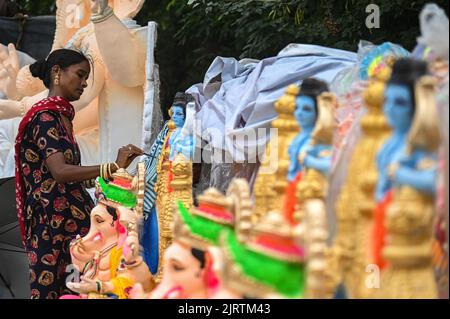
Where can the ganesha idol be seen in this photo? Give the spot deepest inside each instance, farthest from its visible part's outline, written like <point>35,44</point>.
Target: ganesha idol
<point>268,264</point>
<point>108,256</point>
<point>189,265</point>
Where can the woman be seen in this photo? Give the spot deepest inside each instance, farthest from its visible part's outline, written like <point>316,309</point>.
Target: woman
<point>52,203</point>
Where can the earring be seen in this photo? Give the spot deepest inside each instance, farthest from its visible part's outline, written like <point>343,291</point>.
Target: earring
<point>56,80</point>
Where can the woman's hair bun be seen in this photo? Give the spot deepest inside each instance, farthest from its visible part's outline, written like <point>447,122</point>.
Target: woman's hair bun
<point>39,69</point>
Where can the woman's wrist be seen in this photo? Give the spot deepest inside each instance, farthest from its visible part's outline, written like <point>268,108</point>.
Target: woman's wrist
<point>107,170</point>
<point>115,167</point>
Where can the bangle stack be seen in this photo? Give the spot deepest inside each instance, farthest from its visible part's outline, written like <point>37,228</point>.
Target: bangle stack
<point>106,170</point>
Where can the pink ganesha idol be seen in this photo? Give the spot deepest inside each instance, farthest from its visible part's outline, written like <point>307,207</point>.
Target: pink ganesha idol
<point>189,270</point>
<point>108,256</point>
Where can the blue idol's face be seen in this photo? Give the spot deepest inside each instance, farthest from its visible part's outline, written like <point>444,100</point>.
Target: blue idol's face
<point>305,112</point>
<point>178,116</point>
<point>398,107</point>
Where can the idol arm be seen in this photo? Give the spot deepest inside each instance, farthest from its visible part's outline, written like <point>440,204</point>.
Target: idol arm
<point>121,51</point>
<point>321,164</point>
<point>422,180</point>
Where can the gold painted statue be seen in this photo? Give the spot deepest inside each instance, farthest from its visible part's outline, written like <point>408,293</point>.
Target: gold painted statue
<point>311,193</point>
<point>409,218</point>
<point>355,205</point>
<point>166,180</point>
<point>269,187</point>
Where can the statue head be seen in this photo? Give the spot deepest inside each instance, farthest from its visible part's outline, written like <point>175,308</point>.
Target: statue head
<point>306,108</point>
<point>107,230</point>
<point>184,271</point>
<point>269,262</point>
<point>178,110</point>
<point>399,104</point>
<point>194,233</point>
<point>103,233</point>
<point>63,70</point>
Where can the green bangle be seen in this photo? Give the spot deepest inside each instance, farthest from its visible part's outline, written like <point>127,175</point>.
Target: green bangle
<point>99,286</point>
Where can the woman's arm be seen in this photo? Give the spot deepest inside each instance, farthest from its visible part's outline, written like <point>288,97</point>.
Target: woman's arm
<point>66,173</point>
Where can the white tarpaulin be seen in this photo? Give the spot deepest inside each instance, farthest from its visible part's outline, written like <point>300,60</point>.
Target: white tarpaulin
<point>237,97</point>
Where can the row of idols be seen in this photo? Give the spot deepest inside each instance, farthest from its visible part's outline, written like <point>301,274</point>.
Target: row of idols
<point>356,218</point>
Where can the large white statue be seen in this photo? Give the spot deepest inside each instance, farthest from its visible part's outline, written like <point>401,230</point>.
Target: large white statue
<point>111,110</point>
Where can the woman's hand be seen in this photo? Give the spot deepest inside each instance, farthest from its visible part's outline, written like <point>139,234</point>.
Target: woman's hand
<point>127,154</point>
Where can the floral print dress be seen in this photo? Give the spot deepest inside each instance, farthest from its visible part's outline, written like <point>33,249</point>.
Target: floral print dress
<point>54,212</point>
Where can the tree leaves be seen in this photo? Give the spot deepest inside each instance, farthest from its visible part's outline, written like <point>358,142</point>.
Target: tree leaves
<point>193,32</point>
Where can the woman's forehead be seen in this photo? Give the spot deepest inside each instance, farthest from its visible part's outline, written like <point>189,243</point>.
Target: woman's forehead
<point>83,65</point>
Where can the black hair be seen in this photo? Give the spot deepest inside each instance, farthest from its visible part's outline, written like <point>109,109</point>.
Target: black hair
<point>199,255</point>
<point>112,211</point>
<point>406,72</point>
<point>64,58</point>
<point>313,87</point>
<point>180,99</point>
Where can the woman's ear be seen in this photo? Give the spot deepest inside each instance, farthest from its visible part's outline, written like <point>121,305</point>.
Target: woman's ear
<point>55,70</point>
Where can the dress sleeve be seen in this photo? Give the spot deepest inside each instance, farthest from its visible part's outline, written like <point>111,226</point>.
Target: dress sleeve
<point>46,134</point>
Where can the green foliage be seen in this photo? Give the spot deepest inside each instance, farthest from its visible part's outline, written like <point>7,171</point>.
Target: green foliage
<point>193,32</point>
<point>37,7</point>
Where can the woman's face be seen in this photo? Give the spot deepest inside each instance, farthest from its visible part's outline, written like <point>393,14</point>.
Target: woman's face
<point>398,107</point>
<point>305,113</point>
<point>73,80</point>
